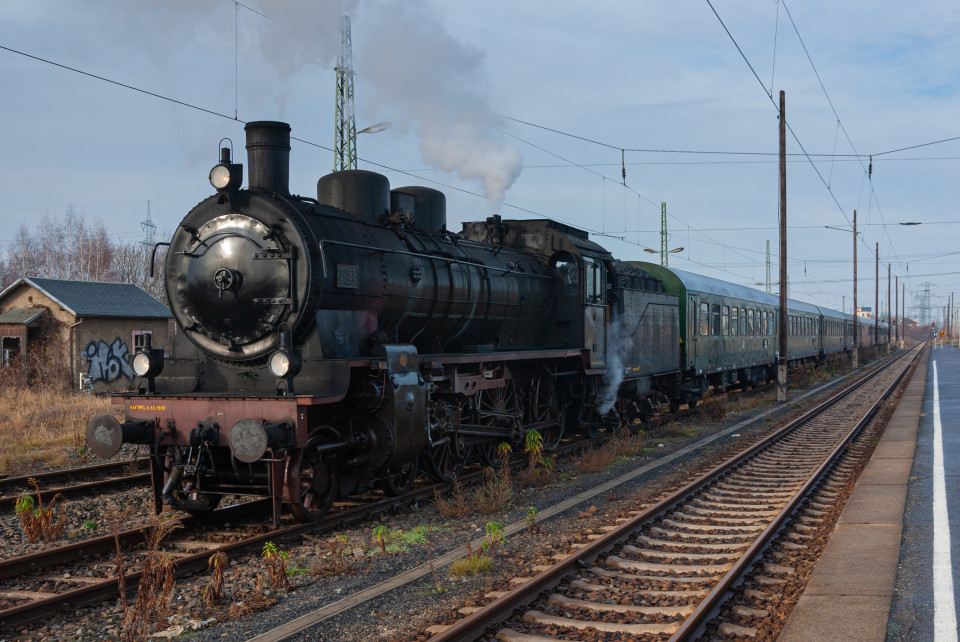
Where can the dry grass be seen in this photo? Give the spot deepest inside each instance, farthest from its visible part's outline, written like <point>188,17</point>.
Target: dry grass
<point>456,505</point>
<point>472,564</point>
<point>623,444</point>
<point>495,493</point>
<point>334,562</point>
<point>46,425</point>
<point>715,409</point>
<point>838,364</point>
<point>156,582</point>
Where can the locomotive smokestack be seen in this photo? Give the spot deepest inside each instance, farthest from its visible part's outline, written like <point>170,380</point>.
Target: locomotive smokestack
<point>268,155</point>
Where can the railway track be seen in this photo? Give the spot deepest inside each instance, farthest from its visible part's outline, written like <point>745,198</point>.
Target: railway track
<point>665,573</point>
<point>35,586</point>
<point>73,482</point>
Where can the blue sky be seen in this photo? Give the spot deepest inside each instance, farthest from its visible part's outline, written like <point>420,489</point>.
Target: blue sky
<point>454,78</point>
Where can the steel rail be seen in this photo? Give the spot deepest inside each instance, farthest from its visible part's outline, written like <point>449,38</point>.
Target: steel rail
<point>93,593</point>
<point>474,625</point>
<point>12,488</point>
<point>707,609</point>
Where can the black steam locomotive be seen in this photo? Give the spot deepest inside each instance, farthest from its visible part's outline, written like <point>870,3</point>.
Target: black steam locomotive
<point>332,344</point>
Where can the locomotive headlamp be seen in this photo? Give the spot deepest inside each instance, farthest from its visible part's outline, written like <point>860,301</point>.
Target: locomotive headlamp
<point>141,364</point>
<point>285,362</point>
<point>226,174</point>
<point>282,364</point>
<point>148,362</point>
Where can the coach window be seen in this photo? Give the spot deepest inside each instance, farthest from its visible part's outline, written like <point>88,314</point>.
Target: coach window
<point>763,324</point>
<point>725,321</point>
<point>716,319</point>
<point>704,319</point>
<point>749,331</point>
<point>734,321</point>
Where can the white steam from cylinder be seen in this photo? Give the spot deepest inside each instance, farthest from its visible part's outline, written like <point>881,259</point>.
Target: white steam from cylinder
<point>616,347</point>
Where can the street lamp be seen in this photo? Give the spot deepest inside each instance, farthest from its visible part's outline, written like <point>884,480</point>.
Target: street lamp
<point>856,329</point>
<point>373,129</point>
<point>663,258</point>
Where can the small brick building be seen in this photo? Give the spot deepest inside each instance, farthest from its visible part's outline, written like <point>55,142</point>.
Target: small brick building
<point>96,327</point>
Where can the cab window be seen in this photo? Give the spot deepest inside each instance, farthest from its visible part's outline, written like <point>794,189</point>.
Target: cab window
<point>593,280</point>
<point>566,267</point>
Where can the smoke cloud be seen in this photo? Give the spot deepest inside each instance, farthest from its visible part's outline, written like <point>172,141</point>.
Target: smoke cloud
<point>407,64</point>
<point>437,84</point>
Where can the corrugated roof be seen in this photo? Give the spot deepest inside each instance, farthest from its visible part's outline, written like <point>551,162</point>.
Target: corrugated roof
<point>97,299</point>
<point>21,316</point>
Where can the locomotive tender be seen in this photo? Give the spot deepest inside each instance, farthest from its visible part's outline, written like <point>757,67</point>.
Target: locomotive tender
<point>332,344</point>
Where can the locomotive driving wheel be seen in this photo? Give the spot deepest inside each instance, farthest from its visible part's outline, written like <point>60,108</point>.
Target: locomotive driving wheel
<point>398,479</point>
<point>446,454</point>
<point>315,475</point>
<point>545,408</point>
<point>490,452</point>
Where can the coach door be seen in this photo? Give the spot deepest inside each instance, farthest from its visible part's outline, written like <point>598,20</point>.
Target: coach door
<point>595,312</point>
<point>693,331</point>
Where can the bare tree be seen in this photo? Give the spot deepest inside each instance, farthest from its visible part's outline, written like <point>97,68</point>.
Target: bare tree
<point>131,265</point>
<point>72,248</point>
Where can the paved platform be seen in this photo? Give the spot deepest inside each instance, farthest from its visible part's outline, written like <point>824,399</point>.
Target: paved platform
<point>874,580</point>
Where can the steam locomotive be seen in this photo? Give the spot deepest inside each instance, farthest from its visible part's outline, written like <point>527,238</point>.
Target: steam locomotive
<point>329,345</point>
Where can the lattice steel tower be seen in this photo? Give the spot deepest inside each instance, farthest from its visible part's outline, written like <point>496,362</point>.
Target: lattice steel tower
<point>768,267</point>
<point>664,250</point>
<point>345,140</point>
<point>924,304</point>
<point>149,230</point>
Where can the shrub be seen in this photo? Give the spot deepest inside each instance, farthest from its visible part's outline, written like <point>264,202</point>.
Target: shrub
<point>495,493</point>
<point>276,563</point>
<point>456,506</point>
<point>42,523</point>
<point>212,592</point>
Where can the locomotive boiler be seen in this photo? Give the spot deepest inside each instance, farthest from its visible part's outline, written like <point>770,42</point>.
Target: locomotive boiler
<point>328,344</point>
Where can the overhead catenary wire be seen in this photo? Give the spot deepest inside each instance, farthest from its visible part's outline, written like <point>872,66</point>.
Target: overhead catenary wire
<point>833,157</point>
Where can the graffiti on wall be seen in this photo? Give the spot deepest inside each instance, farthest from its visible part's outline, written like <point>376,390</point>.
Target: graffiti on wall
<point>108,362</point>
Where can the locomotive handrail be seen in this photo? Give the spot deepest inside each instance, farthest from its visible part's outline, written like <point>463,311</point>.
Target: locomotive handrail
<point>153,255</point>
<point>382,250</point>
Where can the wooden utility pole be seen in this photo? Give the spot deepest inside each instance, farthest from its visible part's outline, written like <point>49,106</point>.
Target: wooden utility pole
<point>896,309</point>
<point>889,325</point>
<point>876,292</point>
<point>903,311</point>
<point>856,317</point>
<point>782,334</point>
